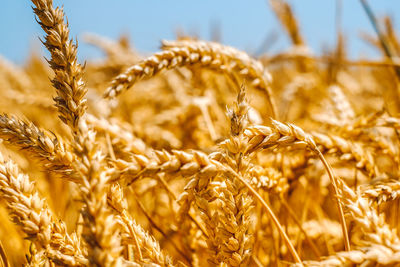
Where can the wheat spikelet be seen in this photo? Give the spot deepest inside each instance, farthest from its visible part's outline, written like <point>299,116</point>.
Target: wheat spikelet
<point>268,179</point>
<point>341,103</point>
<point>382,192</point>
<point>35,258</point>
<point>348,150</point>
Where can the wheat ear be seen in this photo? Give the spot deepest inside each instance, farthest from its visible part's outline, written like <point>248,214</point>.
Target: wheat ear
<point>380,245</point>
<point>347,149</point>
<point>234,198</point>
<point>67,81</point>
<point>27,136</point>
<point>284,13</point>
<point>206,54</point>
<point>369,255</point>
<point>31,213</point>
<point>230,230</point>
<point>373,225</point>
<point>342,105</point>
<point>174,163</point>
<point>101,231</point>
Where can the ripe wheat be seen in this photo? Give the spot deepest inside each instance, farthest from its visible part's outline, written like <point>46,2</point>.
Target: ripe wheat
<point>223,160</point>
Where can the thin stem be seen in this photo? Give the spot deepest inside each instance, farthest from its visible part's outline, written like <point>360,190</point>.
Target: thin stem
<point>386,46</point>
<point>274,219</point>
<point>382,39</point>
<point>3,256</point>
<point>331,60</point>
<point>298,223</point>
<point>337,194</point>
<point>158,228</point>
<point>132,232</point>
<point>191,216</point>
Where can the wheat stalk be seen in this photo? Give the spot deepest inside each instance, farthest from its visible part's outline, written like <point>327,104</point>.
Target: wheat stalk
<point>100,232</point>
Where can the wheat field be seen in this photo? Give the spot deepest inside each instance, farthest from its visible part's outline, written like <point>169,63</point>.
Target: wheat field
<point>200,154</point>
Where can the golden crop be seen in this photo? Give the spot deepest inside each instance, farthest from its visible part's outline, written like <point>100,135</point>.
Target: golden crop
<point>211,158</point>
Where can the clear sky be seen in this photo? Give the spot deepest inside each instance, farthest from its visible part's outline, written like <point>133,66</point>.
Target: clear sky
<point>243,24</point>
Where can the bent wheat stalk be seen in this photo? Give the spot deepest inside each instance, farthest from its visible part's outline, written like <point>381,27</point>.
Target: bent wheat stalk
<point>261,137</point>
<point>206,54</point>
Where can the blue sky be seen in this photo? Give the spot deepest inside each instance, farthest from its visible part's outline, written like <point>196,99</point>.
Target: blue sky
<point>243,24</point>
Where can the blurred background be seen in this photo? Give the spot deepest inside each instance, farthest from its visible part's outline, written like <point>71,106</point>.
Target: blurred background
<point>247,25</point>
